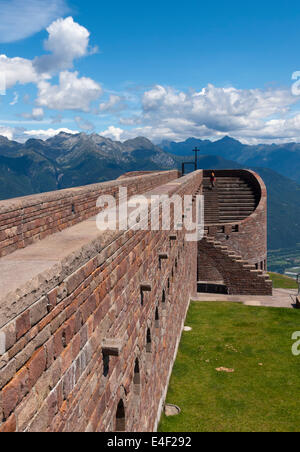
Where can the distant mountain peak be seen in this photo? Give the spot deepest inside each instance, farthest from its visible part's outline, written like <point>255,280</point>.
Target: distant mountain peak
<point>228,139</point>
<point>193,140</point>
<point>139,142</point>
<point>66,134</point>
<point>140,139</point>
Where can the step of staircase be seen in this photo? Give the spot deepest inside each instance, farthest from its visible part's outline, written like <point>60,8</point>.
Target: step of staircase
<point>232,199</point>
<point>250,280</point>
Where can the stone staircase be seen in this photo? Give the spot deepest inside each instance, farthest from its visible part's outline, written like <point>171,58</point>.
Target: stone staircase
<point>211,203</point>
<point>231,200</point>
<point>240,277</point>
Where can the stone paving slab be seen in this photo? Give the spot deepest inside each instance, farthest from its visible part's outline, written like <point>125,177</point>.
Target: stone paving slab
<point>282,298</point>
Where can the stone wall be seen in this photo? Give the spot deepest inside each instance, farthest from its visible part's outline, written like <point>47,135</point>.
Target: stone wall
<point>26,220</point>
<point>239,277</point>
<point>247,237</point>
<point>207,270</point>
<point>90,345</point>
<point>236,253</point>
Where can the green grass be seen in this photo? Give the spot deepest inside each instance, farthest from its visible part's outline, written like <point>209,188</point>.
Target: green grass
<point>283,282</point>
<point>252,399</point>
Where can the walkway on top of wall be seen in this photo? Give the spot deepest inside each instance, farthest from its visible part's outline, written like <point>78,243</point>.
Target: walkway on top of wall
<point>24,264</point>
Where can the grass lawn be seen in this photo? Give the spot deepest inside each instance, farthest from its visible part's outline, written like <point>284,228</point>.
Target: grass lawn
<point>262,398</point>
<point>283,282</point>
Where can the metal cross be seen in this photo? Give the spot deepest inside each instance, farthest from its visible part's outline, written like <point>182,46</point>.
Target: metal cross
<point>196,150</point>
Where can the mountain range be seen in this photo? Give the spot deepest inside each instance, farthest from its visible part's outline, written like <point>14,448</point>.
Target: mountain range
<point>68,160</point>
<point>282,158</point>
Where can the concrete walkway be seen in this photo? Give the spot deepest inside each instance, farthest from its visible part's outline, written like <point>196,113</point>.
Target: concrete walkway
<point>282,298</point>
<point>18,268</point>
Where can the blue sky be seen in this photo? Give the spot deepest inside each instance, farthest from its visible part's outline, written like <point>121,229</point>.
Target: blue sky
<point>165,70</point>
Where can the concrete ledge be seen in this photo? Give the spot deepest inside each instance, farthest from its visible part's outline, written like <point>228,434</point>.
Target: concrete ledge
<point>281,298</point>
<point>112,347</point>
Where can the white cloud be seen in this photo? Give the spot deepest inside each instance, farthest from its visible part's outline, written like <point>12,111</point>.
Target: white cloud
<point>7,132</point>
<point>273,131</point>
<point>113,105</point>
<point>113,132</point>
<point>37,114</point>
<point>217,108</point>
<point>213,112</point>
<point>72,93</point>
<point>18,70</point>
<point>45,134</point>
<point>20,19</point>
<point>67,41</point>
<point>15,99</point>
<point>21,135</point>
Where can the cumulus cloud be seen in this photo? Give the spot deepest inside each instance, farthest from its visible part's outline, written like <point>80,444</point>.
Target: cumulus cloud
<point>213,112</point>
<point>217,108</point>
<point>113,132</point>
<point>67,41</point>
<point>72,93</point>
<point>273,131</point>
<point>18,70</point>
<point>20,19</point>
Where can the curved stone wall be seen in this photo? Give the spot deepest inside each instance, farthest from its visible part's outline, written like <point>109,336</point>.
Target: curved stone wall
<point>247,237</point>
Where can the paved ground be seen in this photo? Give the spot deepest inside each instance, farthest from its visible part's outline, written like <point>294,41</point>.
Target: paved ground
<point>282,298</point>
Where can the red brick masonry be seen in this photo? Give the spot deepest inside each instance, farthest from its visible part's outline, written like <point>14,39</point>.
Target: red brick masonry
<point>26,220</point>
<point>91,348</point>
<point>237,252</point>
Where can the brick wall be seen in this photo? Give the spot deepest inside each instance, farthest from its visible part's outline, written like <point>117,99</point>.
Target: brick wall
<point>87,343</point>
<point>26,220</point>
<point>207,270</point>
<point>237,279</point>
<point>247,237</point>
